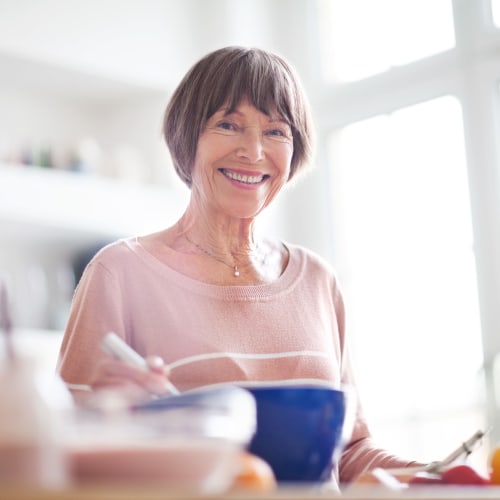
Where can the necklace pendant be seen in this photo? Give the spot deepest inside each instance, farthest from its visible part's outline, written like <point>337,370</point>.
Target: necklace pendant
<point>236,272</point>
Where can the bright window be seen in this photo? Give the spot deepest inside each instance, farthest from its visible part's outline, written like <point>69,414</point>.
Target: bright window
<point>495,10</point>
<point>364,37</point>
<point>403,236</point>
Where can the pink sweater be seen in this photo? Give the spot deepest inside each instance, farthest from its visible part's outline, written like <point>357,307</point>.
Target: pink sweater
<point>291,329</point>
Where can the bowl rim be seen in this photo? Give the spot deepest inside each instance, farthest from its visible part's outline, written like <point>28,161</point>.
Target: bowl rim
<point>312,383</point>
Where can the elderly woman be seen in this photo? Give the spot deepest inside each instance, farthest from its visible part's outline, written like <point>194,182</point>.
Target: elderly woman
<point>210,296</point>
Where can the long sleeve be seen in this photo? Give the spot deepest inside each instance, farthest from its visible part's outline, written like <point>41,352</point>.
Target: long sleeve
<point>96,310</point>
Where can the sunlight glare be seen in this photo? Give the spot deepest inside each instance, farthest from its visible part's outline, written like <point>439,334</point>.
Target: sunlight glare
<point>403,228</point>
<point>362,38</point>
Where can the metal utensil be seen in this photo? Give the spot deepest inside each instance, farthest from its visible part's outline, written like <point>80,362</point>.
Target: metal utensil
<point>464,450</point>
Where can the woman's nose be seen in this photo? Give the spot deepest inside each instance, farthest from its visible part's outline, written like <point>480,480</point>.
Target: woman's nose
<point>251,147</point>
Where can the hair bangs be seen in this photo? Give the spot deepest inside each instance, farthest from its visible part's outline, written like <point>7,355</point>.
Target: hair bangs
<point>254,77</point>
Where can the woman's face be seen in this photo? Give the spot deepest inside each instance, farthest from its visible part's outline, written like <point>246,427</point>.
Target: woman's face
<point>242,161</point>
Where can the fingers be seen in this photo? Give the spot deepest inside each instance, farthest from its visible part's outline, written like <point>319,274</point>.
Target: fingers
<point>152,381</point>
<point>157,365</point>
<point>111,372</point>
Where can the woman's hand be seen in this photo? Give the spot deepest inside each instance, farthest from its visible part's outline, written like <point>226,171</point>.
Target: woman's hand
<point>136,383</point>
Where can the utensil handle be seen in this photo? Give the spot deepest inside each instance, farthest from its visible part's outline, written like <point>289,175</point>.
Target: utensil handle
<point>466,448</point>
<point>116,347</point>
<point>119,349</point>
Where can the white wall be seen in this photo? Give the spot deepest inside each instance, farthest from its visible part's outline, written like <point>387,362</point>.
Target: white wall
<point>132,40</point>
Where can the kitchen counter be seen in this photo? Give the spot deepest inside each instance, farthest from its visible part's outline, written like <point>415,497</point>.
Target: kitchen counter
<point>358,493</point>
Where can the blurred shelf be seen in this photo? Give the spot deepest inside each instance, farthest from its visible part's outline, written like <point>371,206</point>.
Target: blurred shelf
<point>48,207</point>
<point>43,206</point>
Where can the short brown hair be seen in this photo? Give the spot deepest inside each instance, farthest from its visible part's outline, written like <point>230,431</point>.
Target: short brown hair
<point>224,77</point>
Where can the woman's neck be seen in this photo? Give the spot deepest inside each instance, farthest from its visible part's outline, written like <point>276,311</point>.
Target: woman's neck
<point>220,235</point>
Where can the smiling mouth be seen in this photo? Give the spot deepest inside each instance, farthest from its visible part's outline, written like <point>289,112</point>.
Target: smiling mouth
<point>245,179</point>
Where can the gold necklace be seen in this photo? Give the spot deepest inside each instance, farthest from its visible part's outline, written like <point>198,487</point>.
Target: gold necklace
<point>234,267</point>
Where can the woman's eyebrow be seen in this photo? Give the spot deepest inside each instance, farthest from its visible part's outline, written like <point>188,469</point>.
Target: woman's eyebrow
<point>226,111</point>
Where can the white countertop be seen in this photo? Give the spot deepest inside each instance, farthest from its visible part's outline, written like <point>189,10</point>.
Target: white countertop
<point>359,493</point>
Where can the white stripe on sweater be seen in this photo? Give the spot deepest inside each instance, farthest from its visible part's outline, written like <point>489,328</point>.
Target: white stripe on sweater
<point>241,355</point>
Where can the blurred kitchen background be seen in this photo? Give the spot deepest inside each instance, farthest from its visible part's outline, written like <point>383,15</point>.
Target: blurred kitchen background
<point>403,200</point>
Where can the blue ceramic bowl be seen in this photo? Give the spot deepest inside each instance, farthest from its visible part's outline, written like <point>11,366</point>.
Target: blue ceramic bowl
<point>300,430</point>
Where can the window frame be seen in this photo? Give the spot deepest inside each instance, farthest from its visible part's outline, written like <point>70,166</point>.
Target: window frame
<point>470,72</point>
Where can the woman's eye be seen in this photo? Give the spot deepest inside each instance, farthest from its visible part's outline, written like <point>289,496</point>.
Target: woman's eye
<point>278,133</point>
<point>225,125</point>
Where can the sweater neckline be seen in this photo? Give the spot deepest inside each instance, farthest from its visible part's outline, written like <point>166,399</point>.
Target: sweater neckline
<point>282,284</point>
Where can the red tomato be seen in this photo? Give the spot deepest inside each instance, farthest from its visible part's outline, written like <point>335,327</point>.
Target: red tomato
<point>463,474</point>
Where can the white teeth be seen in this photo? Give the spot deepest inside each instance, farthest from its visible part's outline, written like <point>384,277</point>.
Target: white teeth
<point>247,179</point>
